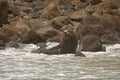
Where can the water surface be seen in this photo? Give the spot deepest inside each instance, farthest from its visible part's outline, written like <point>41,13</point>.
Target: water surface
<point>20,64</point>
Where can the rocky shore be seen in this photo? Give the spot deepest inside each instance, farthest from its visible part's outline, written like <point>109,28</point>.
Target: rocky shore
<point>94,22</point>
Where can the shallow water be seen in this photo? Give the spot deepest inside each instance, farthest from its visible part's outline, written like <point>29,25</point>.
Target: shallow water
<point>20,64</point>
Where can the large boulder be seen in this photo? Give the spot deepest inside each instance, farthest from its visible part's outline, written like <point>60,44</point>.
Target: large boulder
<point>91,43</point>
<point>3,12</point>
<point>26,34</point>
<point>99,26</point>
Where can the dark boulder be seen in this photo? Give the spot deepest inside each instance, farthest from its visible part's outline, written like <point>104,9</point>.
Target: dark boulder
<point>91,43</point>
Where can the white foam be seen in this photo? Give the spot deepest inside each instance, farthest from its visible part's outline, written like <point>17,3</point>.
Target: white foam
<point>51,44</point>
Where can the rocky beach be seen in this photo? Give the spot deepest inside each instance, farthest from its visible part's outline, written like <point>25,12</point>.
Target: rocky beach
<point>93,22</point>
<point>59,39</point>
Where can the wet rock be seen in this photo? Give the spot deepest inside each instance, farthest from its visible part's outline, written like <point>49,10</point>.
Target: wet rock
<point>91,43</point>
<point>93,25</point>
<point>13,42</point>
<point>58,22</point>
<point>1,48</point>
<point>50,11</point>
<point>110,38</point>
<point>4,37</point>
<point>31,37</point>
<point>2,44</point>
<point>80,54</point>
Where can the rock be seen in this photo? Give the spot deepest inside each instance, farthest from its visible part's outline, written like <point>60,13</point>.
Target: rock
<point>40,26</point>
<point>2,44</point>
<point>31,37</point>
<point>9,31</point>
<point>12,9</point>
<point>78,15</point>
<point>28,0</point>
<point>26,34</point>
<point>4,37</point>
<point>93,2</point>
<point>3,12</point>
<point>2,48</point>
<point>99,26</point>
<point>50,11</point>
<point>52,35</point>
<point>58,22</point>
<point>28,10</point>
<point>78,4</point>
<point>79,54</point>
<point>91,43</point>
<point>110,38</point>
<point>65,7</point>
<point>114,20</point>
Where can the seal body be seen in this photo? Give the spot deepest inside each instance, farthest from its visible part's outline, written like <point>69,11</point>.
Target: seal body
<point>67,45</point>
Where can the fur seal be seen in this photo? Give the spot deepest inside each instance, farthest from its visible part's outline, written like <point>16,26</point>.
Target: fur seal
<point>67,45</point>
